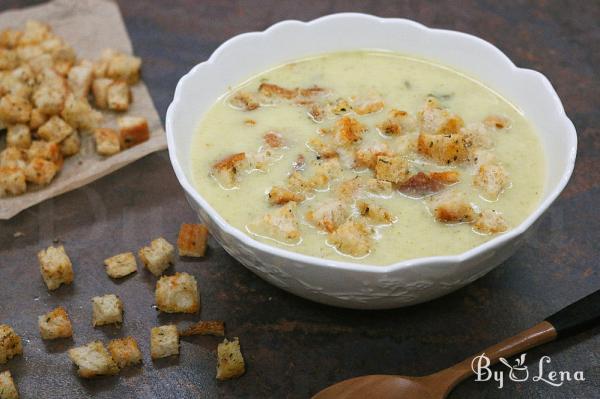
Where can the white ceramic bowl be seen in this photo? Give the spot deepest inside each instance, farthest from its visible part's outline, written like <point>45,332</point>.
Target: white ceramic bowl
<point>343,283</point>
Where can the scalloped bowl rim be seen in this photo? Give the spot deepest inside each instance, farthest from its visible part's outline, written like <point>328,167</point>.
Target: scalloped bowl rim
<point>366,268</point>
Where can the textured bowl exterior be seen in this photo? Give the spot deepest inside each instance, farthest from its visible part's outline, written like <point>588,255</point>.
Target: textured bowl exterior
<point>349,284</point>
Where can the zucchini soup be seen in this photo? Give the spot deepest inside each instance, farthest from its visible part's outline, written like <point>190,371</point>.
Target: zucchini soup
<point>370,157</point>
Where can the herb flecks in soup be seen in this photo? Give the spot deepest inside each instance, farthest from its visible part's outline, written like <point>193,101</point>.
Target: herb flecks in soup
<point>368,156</point>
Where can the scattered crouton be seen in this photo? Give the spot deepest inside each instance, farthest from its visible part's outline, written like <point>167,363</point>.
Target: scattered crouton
<point>444,148</point>
<point>124,67</point>
<point>281,195</point>
<point>12,181</point>
<point>8,389</point>
<point>49,99</point>
<point>125,352</point>
<point>14,109</point>
<point>55,267</point>
<point>348,131</point>
<point>273,90</point>
<point>391,168</point>
<point>118,96</point>
<point>230,362</point>
<point>93,360</point>
<point>378,187</point>
<point>40,171</point>
<point>434,119</point>
<point>100,91</point>
<point>328,215</point>
<point>273,139</point>
<point>120,265</point>
<point>177,294</point>
<point>426,183</point>
<point>18,136</point>
<point>243,100</point>
<point>133,130</point>
<point>12,157</point>
<point>398,122</point>
<point>341,107</point>
<point>366,157</point>
<point>78,113</point>
<point>70,145</point>
<point>375,213</point>
<point>55,324</point>
<point>497,121</point>
<point>10,343</point>
<point>365,106</point>
<point>226,171</point>
<point>158,256</point>
<point>490,222</point>
<point>55,130</point>
<point>45,150</point>
<point>280,223</point>
<point>80,79</point>
<point>322,148</point>
<point>353,238</point>
<point>107,309</point>
<point>297,183</point>
<point>164,341</point>
<point>205,327</point>
<point>9,38</point>
<point>9,59</point>
<point>452,207</point>
<point>192,240</point>
<point>35,32</point>
<point>492,178</point>
<point>107,141</point>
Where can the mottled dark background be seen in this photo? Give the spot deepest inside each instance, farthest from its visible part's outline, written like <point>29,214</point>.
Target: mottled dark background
<point>294,347</point>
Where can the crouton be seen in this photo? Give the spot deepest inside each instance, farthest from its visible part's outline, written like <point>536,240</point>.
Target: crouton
<point>40,171</point>
<point>244,101</point>
<point>8,59</point>
<point>120,265</point>
<point>164,341</point>
<point>316,112</point>
<point>328,215</point>
<point>37,118</point>
<point>40,62</point>
<point>100,91</point>
<point>273,90</point>
<point>374,212</point>
<point>9,38</point>
<point>391,168</point>
<point>425,183</point>
<point>444,148</point>
<point>366,157</point>
<point>280,223</point>
<point>107,141</point>
<point>204,327</point>
<point>55,324</point>
<point>490,222</point>
<point>451,207</point>
<point>192,240</point>
<point>35,32</point>
<point>124,67</point>
<point>341,107</point>
<point>29,52</point>
<point>125,352</point>
<point>70,145</point>
<point>497,121</point>
<point>45,150</point>
<point>10,84</point>
<point>118,96</point>
<point>177,294</point>
<point>297,183</point>
<point>323,149</point>
<point>230,362</point>
<point>10,343</point>
<point>492,179</point>
<point>14,109</point>
<point>55,130</point>
<point>8,389</point>
<point>348,131</point>
<point>12,157</point>
<point>273,139</point>
<point>107,309</point>
<point>434,119</point>
<point>378,187</point>
<point>133,130</point>
<point>63,67</point>
<point>393,126</point>
<point>12,181</point>
<point>55,267</point>
<point>49,98</point>
<point>281,195</point>
<point>93,360</point>
<point>364,106</point>
<point>78,113</point>
<point>478,136</point>
<point>353,238</point>
<point>80,79</point>
<point>226,171</point>
<point>24,74</point>
<point>157,256</point>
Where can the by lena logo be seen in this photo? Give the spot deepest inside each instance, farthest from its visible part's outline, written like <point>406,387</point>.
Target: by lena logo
<point>519,372</point>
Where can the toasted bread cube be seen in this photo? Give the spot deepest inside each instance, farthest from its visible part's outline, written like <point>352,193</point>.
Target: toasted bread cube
<point>379,187</point>
<point>375,213</point>
<point>164,341</point>
<point>8,59</point>
<point>157,256</point>
<point>40,171</point>
<point>55,324</point>
<point>434,119</point>
<point>444,148</point>
<point>12,157</point>
<point>100,90</point>
<point>492,179</point>
<point>353,238</point>
<point>49,98</point>
<point>230,362</point>
<point>35,32</point>
<point>281,195</point>
<point>452,207</point>
<point>37,119</point>
<point>45,150</point>
<point>71,145</point>
<point>80,79</point>
<point>55,130</point>
<point>192,240</point>
<point>281,223</point>
<point>107,141</point>
<point>24,73</point>
<point>12,181</point>
<point>40,62</point>
<point>348,131</point>
<point>244,101</point>
<point>11,84</point>
<point>177,294</point>
<point>393,169</point>
<point>14,109</point>
<point>125,352</point>
<point>124,67</point>
<point>29,52</point>
<point>78,113</point>
<point>107,309</point>
<point>497,121</point>
<point>121,265</point>
<point>205,327</point>
<point>93,360</point>
<point>367,156</point>
<point>227,170</point>
<point>9,38</point>
<point>328,215</point>
<point>8,389</point>
<point>63,67</point>
<point>490,222</point>
<point>18,136</point>
<point>10,343</point>
<point>133,130</point>
<point>55,266</point>
<point>118,96</point>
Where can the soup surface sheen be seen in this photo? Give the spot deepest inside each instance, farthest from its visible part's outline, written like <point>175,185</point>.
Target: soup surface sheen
<point>363,134</point>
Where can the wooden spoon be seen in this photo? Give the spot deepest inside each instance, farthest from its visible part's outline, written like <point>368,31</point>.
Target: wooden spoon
<point>576,317</point>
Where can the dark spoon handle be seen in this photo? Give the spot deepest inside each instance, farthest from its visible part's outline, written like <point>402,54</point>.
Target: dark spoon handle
<point>578,316</point>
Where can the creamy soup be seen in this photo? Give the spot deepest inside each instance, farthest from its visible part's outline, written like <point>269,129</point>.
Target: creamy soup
<point>370,157</point>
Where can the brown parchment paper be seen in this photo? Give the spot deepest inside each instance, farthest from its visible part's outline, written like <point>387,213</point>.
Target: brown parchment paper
<point>89,26</point>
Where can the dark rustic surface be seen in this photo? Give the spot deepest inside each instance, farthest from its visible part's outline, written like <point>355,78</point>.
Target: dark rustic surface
<point>294,347</point>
